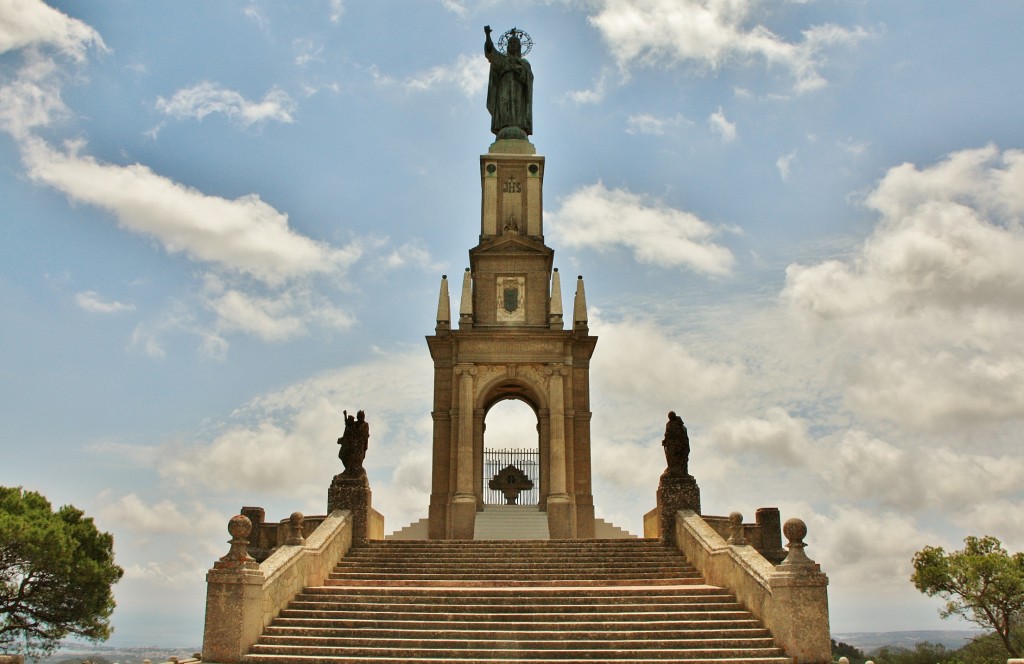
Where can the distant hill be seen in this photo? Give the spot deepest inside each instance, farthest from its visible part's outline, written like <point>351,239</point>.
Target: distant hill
<point>870,642</point>
<point>72,652</point>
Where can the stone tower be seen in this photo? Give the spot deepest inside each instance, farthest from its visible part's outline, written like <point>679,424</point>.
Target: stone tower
<point>511,342</point>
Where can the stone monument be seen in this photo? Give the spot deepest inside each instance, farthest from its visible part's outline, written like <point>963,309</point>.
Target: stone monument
<point>509,86</point>
<point>350,489</point>
<point>677,489</point>
<point>511,341</point>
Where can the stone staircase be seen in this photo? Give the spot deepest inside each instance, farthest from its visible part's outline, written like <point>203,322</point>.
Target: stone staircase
<point>625,600</point>
<point>511,522</point>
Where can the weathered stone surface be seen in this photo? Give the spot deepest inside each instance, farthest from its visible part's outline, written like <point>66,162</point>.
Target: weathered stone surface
<point>352,494</point>
<point>792,601</point>
<point>674,494</point>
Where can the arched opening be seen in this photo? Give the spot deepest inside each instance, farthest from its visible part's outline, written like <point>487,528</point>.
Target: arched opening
<point>511,438</point>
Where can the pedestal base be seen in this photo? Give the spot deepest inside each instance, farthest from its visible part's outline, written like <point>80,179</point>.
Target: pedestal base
<point>463,517</point>
<point>353,494</point>
<point>674,494</point>
<point>559,517</point>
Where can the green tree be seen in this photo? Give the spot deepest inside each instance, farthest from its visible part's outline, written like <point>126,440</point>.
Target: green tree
<point>56,573</point>
<point>852,653</point>
<point>982,583</point>
<point>923,653</point>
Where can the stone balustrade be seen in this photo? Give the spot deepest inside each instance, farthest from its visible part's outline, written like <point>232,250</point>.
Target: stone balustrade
<point>243,596</point>
<point>790,598</point>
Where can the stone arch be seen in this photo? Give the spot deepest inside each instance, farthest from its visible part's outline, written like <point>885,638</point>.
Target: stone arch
<point>525,386</point>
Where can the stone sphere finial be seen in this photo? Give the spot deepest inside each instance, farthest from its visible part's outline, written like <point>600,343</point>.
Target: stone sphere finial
<point>795,531</point>
<point>240,527</point>
<point>844,660</point>
<point>295,522</point>
<point>736,535</point>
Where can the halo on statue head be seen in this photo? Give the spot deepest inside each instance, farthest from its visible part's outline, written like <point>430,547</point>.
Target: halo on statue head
<point>525,42</point>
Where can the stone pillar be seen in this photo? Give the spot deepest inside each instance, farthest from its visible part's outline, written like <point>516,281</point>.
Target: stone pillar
<point>234,599</point>
<point>674,494</point>
<point>558,507</point>
<point>770,522</point>
<point>352,494</point>
<point>463,514</point>
<point>478,457</point>
<point>799,617</point>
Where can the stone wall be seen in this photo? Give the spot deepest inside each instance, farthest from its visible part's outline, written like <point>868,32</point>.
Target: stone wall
<point>765,534</point>
<point>243,598</point>
<point>790,599</point>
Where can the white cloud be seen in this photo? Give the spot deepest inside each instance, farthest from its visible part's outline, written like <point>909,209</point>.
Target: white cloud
<point>642,370</point>
<point>206,98</point>
<point>468,73</point>
<point>784,164</point>
<point>914,478</point>
<point>130,512</point>
<point>865,547</point>
<point>283,443</point>
<point>595,93</point>
<point>337,9</point>
<point>777,436</point>
<point>307,51</point>
<point>711,33</point>
<point>646,123</point>
<point>926,314</point>
<point>279,315</point>
<point>31,23</point>
<point>721,126</point>
<point>411,253</point>
<point>93,303</point>
<point>33,98</point>
<point>244,235</point>
<point>596,217</point>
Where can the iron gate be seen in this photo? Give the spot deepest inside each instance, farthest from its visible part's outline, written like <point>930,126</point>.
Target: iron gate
<point>526,460</point>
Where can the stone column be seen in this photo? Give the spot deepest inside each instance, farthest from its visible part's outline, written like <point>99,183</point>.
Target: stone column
<point>478,457</point>
<point>559,509</point>
<point>464,502</point>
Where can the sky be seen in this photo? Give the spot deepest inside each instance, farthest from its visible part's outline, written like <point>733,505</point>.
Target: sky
<point>799,222</point>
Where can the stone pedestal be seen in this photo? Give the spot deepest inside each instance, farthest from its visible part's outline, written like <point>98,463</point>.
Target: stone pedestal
<point>674,494</point>
<point>353,494</point>
<point>463,516</point>
<point>559,517</point>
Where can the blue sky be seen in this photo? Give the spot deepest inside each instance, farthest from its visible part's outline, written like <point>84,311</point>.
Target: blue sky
<point>800,225</point>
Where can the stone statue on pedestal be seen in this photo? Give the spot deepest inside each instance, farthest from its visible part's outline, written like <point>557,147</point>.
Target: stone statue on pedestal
<point>510,87</point>
<point>677,447</point>
<point>354,442</point>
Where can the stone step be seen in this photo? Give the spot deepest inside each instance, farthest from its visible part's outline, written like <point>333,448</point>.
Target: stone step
<point>552,641</point>
<point>696,612</point>
<point>603,623</point>
<point>512,601</point>
<point>615,544</point>
<point>635,658</point>
<point>468,649</point>
<point>505,582</point>
<point>513,572</point>
<point>532,597</point>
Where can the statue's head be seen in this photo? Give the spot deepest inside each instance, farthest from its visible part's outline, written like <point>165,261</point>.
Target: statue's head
<point>671,414</point>
<point>515,46</point>
<point>361,416</point>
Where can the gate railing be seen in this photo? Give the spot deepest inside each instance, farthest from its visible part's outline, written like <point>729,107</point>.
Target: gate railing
<point>526,460</point>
